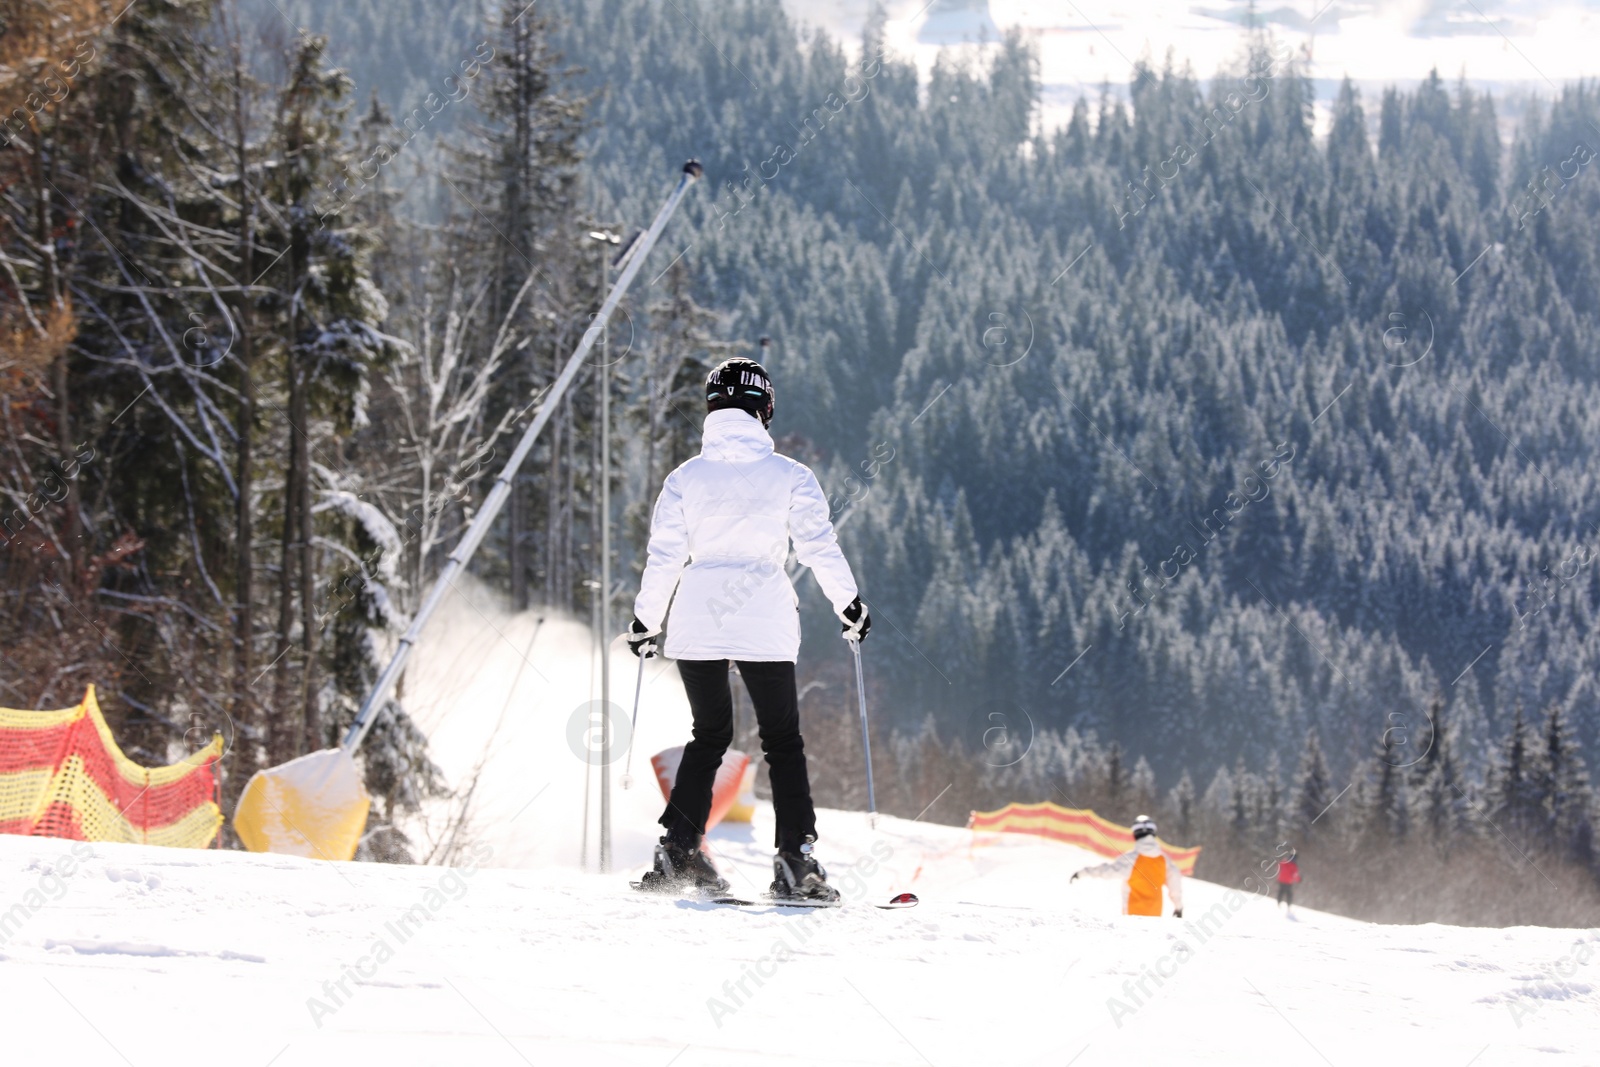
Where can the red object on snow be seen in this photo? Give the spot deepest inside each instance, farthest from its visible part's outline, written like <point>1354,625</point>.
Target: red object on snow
<point>1289,873</point>
<point>724,792</point>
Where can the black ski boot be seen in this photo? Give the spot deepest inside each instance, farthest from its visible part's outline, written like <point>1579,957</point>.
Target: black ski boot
<point>798,876</point>
<point>682,868</point>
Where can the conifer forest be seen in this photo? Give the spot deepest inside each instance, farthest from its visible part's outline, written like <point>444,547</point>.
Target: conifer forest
<point>1193,461</point>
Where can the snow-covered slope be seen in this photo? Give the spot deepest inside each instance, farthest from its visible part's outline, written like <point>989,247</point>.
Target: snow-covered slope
<point>1510,47</point>
<point>149,956</point>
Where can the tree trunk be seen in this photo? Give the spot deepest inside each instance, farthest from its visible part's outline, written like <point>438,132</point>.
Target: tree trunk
<point>244,463</point>
<point>284,736</point>
<point>43,185</point>
<point>570,491</point>
<point>515,558</point>
<point>552,512</point>
<point>311,717</point>
<point>244,531</point>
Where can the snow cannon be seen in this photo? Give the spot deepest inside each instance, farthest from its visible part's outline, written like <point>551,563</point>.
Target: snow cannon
<point>724,791</point>
<point>314,806</point>
<point>744,805</point>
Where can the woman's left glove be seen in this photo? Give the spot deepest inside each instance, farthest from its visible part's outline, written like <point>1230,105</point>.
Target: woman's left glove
<point>643,641</point>
<point>857,620</point>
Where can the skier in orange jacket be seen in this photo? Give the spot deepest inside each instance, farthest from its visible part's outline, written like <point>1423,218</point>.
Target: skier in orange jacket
<point>1145,871</point>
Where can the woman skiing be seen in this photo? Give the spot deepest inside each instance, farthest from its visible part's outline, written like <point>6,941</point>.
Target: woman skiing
<point>719,539</point>
<point>1145,871</point>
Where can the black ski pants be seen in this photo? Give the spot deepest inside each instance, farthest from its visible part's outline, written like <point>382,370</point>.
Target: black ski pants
<point>772,691</point>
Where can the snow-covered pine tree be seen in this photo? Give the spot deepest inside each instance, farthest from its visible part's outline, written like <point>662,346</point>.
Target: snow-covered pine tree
<point>330,316</point>
<point>1242,802</point>
<point>1314,792</point>
<point>1142,787</point>
<point>1388,818</point>
<point>1181,802</point>
<point>1443,806</point>
<point>1115,786</point>
<point>1563,781</point>
<point>1516,802</point>
<point>515,204</point>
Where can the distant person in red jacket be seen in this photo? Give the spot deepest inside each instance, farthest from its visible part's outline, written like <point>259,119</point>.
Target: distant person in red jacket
<point>1288,878</point>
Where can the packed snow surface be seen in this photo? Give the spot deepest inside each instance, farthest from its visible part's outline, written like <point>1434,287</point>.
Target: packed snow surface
<point>122,954</point>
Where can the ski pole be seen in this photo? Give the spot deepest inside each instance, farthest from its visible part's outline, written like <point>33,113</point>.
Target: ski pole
<point>638,687</point>
<point>866,740</point>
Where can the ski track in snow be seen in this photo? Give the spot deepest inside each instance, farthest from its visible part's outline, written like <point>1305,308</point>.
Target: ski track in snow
<point>146,955</point>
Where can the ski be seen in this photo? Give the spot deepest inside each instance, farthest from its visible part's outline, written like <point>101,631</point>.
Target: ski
<point>675,891</point>
<point>772,902</point>
<point>903,900</point>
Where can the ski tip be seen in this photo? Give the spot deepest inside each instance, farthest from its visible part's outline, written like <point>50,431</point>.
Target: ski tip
<point>902,900</point>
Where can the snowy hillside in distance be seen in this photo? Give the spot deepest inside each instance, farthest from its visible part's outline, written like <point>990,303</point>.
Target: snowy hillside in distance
<point>144,956</point>
<point>1513,47</point>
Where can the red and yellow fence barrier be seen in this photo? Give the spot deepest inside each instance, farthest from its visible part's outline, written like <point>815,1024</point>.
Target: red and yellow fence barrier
<point>1073,826</point>
<point>62,775</point>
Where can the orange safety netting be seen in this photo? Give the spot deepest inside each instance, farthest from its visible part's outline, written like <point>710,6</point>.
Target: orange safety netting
<point>62,775</point>
<point>1073,826</point>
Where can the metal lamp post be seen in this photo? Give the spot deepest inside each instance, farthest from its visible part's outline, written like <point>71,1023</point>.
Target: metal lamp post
<point>605,237</point>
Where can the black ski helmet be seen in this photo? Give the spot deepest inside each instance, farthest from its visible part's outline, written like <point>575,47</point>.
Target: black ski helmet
<point>742,384</point>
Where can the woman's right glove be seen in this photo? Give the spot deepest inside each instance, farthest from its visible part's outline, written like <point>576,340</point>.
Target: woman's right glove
<point>857,620</point>
<point>643,641</point>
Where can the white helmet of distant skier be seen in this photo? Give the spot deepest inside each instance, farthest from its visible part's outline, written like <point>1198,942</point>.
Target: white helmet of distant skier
<point>1144,826</point>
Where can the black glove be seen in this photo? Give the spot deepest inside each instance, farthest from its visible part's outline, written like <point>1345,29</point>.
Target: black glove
<point>1177,913</point>
<point>1074,877</point>
<point>857,620</point>
<point>643,641</point>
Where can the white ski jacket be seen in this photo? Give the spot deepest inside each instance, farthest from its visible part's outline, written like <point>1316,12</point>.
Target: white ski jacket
<point>719,538</point>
